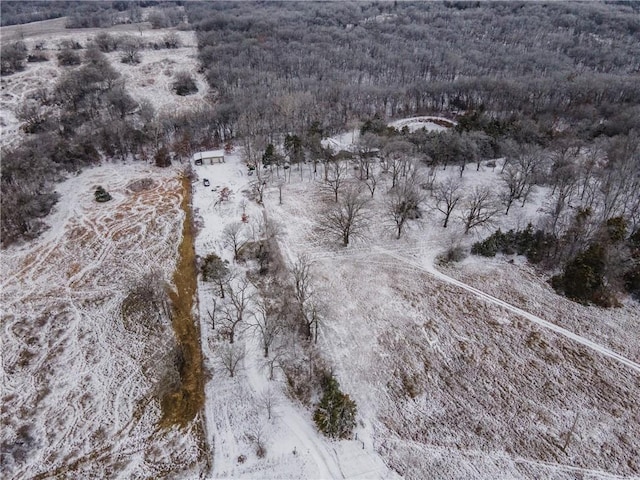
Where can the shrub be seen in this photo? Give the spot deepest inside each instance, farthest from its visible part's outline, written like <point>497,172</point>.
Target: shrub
<point>102,195</point>
<point>336,413</point>
<point>37,56</point>
<point>105,42</point>
<point>535,245</point>
<point>171,40</point>
<point>162,157</point>
<point>68,57</point>
<point>632,282</point>
<point>453,254</point>
<point>184,84</point>
<point>13,57</point>
<point>583,278</point>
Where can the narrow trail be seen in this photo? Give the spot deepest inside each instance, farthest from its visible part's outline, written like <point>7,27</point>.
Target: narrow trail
<point>365,250</point>
<point>496,301</point>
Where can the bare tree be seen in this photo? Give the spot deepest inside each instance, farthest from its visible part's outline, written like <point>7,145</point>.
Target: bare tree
<point>368,144</point>
<point>479,209</point>
<point>302,279</point>
<point>256,436</point>
<point>395,157</point>
<point>275,361</point>
<point>311,317</point>
<point>280,185</point>
<point>404,203</point>
<point>336,177</point>
<point>130,47</point>
<point>519,176</point>
<point>233,313</point>
<point>515,181</point>
<point>234,236</point>
<point>447,195</point>
<point>267,320</point>
<point>371,180</point>
<point>212,313</point>
<point>231,356</point>
<point>258,187</point>
<point>147,303</point>
<point>347,218</point>
<point>269,401</point>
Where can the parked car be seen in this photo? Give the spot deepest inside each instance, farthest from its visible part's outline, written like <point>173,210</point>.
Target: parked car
<point>206,182</point>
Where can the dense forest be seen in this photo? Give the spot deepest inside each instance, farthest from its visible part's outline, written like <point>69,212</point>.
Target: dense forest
<point>552,87</point>
<point>546,62</point>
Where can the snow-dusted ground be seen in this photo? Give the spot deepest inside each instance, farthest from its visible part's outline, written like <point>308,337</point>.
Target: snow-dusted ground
<point>234,409</point>
<point>150,80</point>
<point>418,123</point>
<point>77,383</point>
<point>451,382</point>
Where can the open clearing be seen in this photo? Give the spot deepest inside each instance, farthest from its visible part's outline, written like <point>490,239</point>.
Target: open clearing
<point>78,385</point>
<point>465,388</point>
<point>448,384</point>
<point>149,80</point>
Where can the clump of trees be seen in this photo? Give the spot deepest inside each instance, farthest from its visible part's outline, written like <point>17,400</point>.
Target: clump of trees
<point>592,270</point>
<point>13,58</point>
<point>535,245</point>
<point>583,278</point>
<point>609,264</point>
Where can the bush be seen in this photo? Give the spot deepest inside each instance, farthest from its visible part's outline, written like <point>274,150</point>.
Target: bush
<point>184,84</point>
<point>171,40</point>
<point>632,282</point>
<point>162,157</point>
<point>106,43</point>
<point>102,195</point>
<point>37,56</point>
<point>453,254</point>
<point>68,57</point>
<point>13,57</point>
<point>336,413</point>
<point>583,278</point>
<point>534,245</point>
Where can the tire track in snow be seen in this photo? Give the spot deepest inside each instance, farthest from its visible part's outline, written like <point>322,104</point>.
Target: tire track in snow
<point>496,301</point>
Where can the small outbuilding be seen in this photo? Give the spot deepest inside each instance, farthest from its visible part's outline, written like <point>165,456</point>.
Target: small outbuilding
<point>209,157</point>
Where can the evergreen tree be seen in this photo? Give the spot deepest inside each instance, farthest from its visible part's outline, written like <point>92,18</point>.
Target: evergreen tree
<point>336,413</point>
<point>102,195</point>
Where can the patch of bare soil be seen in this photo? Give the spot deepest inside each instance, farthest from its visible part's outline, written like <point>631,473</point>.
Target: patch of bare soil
<point>182,405</point>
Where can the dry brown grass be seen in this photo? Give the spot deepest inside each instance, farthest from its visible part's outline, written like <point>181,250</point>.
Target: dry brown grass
<point>181,406</point>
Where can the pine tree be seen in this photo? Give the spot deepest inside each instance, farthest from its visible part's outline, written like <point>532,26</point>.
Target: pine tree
<point>102,195</point>
<point>336,413</point>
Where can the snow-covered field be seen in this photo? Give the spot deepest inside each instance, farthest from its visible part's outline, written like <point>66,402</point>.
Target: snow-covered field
<point>78,384</point>
<point>235,410</point>
<point>431,124</point>
<point>450,382</point>
<point>453,385</point>
<point>150,80</point>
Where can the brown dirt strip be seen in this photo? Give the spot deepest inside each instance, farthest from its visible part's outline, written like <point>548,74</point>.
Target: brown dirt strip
<point>182,405</point>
